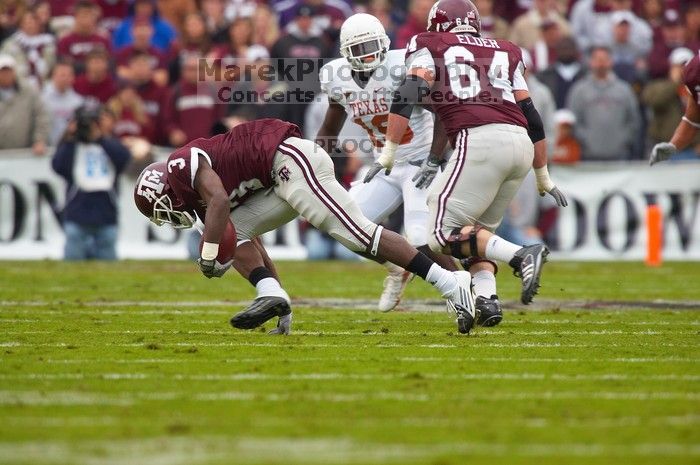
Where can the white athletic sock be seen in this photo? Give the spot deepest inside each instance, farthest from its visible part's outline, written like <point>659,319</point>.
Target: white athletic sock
<point>441,279</point>
<point>270,287</point>
<point>500,249</point>
<point>484,283</point>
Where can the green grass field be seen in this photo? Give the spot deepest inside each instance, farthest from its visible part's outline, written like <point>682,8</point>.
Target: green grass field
<point>135,363</point>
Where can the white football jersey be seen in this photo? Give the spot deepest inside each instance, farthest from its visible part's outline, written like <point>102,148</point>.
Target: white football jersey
<point>369,106</point>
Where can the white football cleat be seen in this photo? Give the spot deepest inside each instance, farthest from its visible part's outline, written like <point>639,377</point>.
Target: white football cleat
<point>394,285</point>
<point>461,302</point>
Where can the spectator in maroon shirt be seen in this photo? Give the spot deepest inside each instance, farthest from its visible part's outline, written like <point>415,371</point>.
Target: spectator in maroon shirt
<point>142,31</point>
<point>692,25</point>
<point>131,119</point>
<point>266,29</point>
<point>653,14</point>
<point>153,94</point>
<point>193,110</point>
<point>240,38</point>
<point>97,82</point>
<point>415,23</point>
<point>42,10</point>
<point>113,11</point>
<point>62,7</point>
<point>83,39</point>
<point>673,36</point>
<point>217,24</point>
<point>194,41</point>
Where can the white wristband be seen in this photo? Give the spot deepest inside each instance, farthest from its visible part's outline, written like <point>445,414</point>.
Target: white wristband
<point>210,250</point>
<point>543,180</point>
<point>386,159</point>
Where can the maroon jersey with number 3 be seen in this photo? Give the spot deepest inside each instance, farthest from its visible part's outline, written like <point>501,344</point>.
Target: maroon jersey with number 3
<point>242,158</point>
<point>474,78</point>
<point>691,77</point>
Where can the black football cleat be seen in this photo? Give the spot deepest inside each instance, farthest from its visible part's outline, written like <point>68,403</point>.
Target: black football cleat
<point>261,310</point>
<point>489,310</point>
<point>527,265</point>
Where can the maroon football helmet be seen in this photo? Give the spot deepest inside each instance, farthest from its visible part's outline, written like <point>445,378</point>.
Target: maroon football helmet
<point>458,16</point>
<point>153,198</point>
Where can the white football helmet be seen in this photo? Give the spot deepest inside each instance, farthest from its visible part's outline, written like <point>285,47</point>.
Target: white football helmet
<point>363,36</point>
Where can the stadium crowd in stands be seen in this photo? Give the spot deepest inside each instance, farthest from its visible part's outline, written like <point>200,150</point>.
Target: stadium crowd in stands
<point>613,63</point>
<point>605,74</point>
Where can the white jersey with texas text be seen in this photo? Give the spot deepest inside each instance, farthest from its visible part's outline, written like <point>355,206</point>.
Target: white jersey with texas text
<point>368,106</point>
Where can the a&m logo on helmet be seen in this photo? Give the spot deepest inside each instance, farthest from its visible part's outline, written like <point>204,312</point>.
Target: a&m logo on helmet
<point>151,185</point>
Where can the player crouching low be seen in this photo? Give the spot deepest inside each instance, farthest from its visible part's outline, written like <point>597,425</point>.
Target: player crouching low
<point>263,175</point>
<point>478,91</point>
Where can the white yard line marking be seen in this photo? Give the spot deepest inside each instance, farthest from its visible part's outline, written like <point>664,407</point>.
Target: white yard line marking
<point>293,359</point>
<point>475,341</point>
<point>108,421</point>
<point>534,423</point>
<point>83,398</point>
<point>419,306</point>
<point>510,320</point>
<point>310,450</point>
<point>526,376</point>
<point>365,333</point>
<point>654,360</point>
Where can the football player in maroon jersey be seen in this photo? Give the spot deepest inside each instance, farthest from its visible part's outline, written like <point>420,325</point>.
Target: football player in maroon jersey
<point>263,175</point>
<point>690,123</point>
<point>477,89</point>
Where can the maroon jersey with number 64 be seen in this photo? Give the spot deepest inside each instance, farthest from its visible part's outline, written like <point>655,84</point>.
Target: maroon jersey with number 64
<point>691,77</point>
<point>474,78</point>
<point>242,158</point>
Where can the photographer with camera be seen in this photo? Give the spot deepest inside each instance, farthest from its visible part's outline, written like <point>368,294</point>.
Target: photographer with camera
<point>90,161</point>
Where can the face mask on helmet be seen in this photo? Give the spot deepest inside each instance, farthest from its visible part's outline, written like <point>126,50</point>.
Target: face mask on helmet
<point>152,199</point>
<point>365,56</point>
<point>163,212</point>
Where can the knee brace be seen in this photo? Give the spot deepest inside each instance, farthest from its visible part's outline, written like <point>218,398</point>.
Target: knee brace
<point>456,240</point>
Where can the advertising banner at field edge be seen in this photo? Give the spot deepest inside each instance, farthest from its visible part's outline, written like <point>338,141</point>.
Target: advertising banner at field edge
<point>604,221</point>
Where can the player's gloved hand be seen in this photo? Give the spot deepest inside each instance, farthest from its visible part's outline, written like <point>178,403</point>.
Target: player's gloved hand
<point>428,170</point>
<point>545,185</point>
<point>374,169</point>
<point>212,268</point>
<point>662,151</point>
<point>384,162</point>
